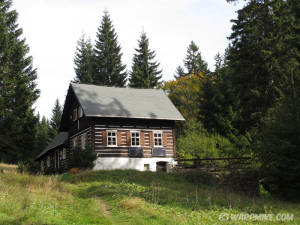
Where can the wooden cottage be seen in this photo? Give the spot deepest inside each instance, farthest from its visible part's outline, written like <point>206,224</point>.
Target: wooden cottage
<point>127,128</point>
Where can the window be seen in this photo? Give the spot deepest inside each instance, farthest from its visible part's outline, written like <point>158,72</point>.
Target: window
<point>135,138</point>
<point>74,142</point>
<point>64,155</point>
<point>80,112</point>
<point>83,141</point>
<point>60,154</point>
<point>48,161</point>
<point>146,167</point>
<point>75,114</point>
<point>157,137</point>
<point>111,138</point>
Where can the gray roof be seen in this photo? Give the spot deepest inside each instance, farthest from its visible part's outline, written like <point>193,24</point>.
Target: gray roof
<point>58,140</point>
<point>101,101</point>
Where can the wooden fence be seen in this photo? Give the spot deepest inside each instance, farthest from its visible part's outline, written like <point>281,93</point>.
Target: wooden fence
<point>215,164</point>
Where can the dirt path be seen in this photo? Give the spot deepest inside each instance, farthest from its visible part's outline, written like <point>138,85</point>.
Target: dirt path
<point>105,207</point>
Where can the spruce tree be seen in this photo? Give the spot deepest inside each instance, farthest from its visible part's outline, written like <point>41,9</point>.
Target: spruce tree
<point>43,135</point>
<point>144,72</point>
<point>264,64</point>
<point>109,69</point>
<point>84,61</point>
<point>55,118</point>
<point>18,90</point>
<point>193,63</point>
<point>179,72</point>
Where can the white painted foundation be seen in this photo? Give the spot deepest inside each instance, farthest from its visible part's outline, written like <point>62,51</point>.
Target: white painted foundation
<point>114,163</point>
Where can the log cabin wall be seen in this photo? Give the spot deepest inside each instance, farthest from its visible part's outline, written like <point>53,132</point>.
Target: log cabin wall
<point>124,141</point>
<point>95,129</point>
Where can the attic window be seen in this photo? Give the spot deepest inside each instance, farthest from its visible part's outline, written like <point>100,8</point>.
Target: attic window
<point>75,114</point>
<point>111,138</point>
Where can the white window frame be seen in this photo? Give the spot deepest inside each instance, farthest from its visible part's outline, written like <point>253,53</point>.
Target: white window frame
<point>75,114</point>
<point>64,155</point>
<point>139,137</point>
<point>74,142</point>
<point>162,139</point>
<point>83,141</point>
<point>80,112</point>
<point>116,137</point>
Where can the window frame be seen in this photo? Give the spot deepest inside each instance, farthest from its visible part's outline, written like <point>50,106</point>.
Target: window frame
<point>74,142</point>
<point>162,139</point>
<point>83,137</point>
<point>135,131</point>
<point>64,155</point>
<point>80,112</point>
<point>116,137</point>
<point>60,154</point>
<point>75,114</point>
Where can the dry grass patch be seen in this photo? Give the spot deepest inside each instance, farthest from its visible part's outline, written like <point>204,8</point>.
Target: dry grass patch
<point>132,203</point>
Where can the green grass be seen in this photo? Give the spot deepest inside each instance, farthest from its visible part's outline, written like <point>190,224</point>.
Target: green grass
<point>125,197</point>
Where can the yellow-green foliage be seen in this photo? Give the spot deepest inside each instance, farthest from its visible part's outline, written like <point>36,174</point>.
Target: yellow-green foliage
<point>184,93</point>
<point>196,142</point>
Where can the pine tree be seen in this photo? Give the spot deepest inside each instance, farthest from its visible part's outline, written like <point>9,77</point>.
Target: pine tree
<point>43,134</point>
<point>220,107</point>
<point>264,63</point>
<point>55,118</point>
<point>18,90</point>
<point>109,69</point>
<point>254,59</point>
<point>193,63</point>
<point>179,72</point>
<point>144,72</point>
<point>84,61</point>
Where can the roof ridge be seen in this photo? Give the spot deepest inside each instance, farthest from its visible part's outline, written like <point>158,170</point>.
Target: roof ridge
<point>116,87</point>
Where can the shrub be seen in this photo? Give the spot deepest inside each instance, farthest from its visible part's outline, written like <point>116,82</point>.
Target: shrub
<point>82,158</point>
<point>196,142</point>
<point>33,167</point>
<point>21,167</point>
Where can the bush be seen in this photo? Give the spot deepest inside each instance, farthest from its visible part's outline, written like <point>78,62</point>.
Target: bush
<point>82,158</point>
<point>21,167</point>
<point>196,142</point>
<point>33,167</point>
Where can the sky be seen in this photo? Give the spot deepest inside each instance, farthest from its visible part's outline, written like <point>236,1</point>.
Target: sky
<point>52,29</point>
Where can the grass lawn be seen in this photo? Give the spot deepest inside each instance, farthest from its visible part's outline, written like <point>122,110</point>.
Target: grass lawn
<point>126,197</point>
